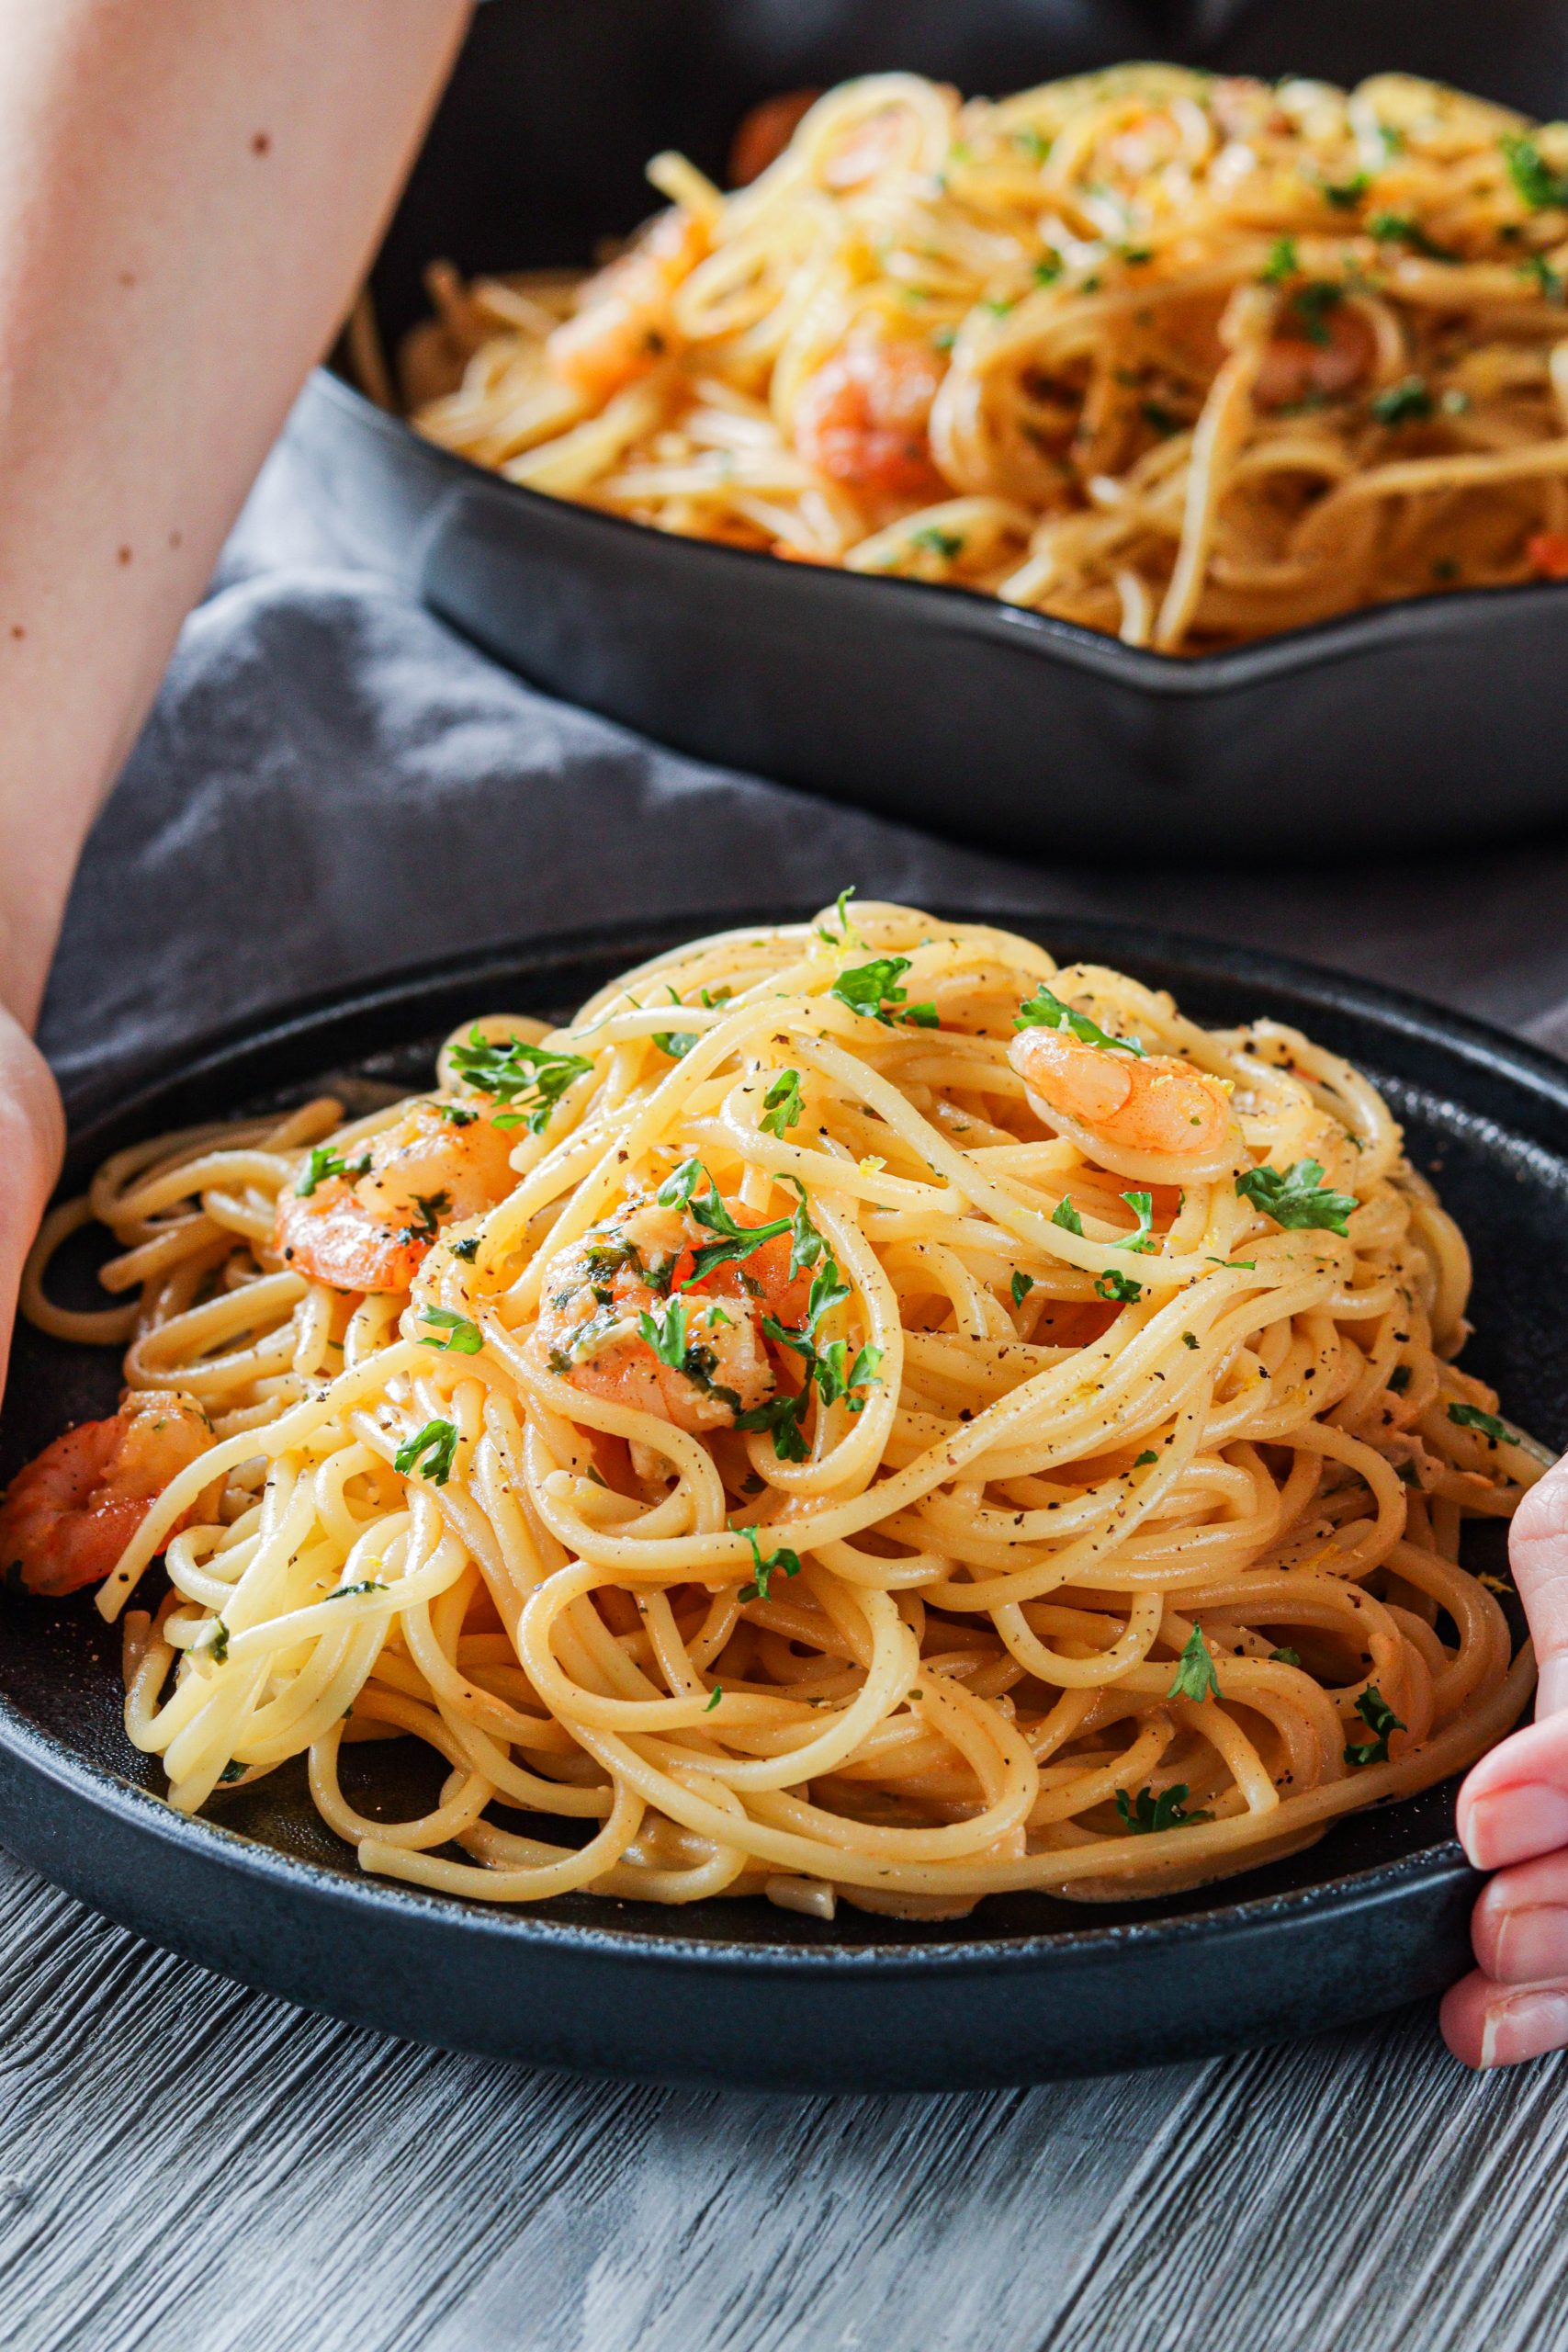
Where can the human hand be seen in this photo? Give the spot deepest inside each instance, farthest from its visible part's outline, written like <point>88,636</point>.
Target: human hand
<point>33,1136</point>
<point>1513,1819</point>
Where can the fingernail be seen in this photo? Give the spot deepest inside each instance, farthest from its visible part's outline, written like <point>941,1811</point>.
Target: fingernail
<point>1532,1943</point>
<point>1551,1690</point>
<point>1526,2024</point>
<point>1512,1825</point>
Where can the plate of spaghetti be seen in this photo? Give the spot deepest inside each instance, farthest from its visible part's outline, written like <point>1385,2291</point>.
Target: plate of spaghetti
<point>874,1492</point>
<point>1182,358</point>
<point>1235,411</point>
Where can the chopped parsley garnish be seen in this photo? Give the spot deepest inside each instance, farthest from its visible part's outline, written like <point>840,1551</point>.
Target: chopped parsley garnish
<point>325,1163</point>
<point>824,1368</point>
<point>468,1249</point>
<point>463,1338</point>
<point>1195,1676</point>
<point>1470,1417</point>
<point>676,1043</point>
<point>783,1561</point>
<point>534,1077</point>
<point>217,1641</point>
<point>429,1452</point>
<point>1298,1198</point>
<point>782,1104</point>
<point>1310,306</point>
<point>1399,229</point>
<point>936,541</point>
<point>432,1207</point>
<point>1148,1813</point>
<point>1031,142</point>
<point>1022,1286</point>
<point>1537,183</point>
<point>872,989</point>
<point>1283,262</point>
<point>665,1330</point>
<point>716,1694</point>
<point>1119,1288</point>
<point>1190,1339</point>
<point>739,1241</point>
<point>840,937</point>
<point>1043,1011</point>
<point>1548,280</point>
<point>1345,195</point>
<point>1067,1216</point>
<point>1144,1458</point>
<point>1049,267</point>
<point>232,1771</point>
<point>365,1584</point>
<point>1286,1657</point>
<point>1379,1720</point>
<point>1143,1207</point>
<point>1407,403</point>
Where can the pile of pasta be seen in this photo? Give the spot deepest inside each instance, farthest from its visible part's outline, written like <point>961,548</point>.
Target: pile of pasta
<point>1185,359</point>
<point>905,1421</point>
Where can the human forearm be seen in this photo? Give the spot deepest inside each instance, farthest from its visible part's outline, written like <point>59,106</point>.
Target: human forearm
<point>186,194</point>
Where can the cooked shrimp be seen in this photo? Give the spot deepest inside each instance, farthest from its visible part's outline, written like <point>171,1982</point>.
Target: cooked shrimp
<point>863,417</point>
<point>636,1264</point>
<point>625,325</point>
<point>370,1227</point>
<point>67,1517</point>
<point>1317,353</point>
<point>1151,1104</point>
<point>765,133</point>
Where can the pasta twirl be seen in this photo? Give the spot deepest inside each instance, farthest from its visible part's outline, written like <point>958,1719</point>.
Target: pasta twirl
<point>1184,359</point>
<point>862,1414</point>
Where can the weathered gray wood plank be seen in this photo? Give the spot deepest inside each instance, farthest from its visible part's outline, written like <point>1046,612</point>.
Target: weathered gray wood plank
<point>189,2167</point>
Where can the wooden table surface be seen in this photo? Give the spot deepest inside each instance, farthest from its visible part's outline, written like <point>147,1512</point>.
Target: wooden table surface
<point>185,2167</point>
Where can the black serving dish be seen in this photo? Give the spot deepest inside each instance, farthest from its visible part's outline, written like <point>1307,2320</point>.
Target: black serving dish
<point>1414,722</point>
<point>1028,1987</point>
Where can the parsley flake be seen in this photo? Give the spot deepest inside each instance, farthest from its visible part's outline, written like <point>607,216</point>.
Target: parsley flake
<point>463,1338</point>
<point>1119,1288</point>
<point>325,1163</point>
<point>1022,1286</point>
<point>1143,1207</point>
<point>534,1077</point>
<point>783,1561</point>
<point>429,1452</point>
<point>1407,403</point>
<point>1470,1417</point>
<point>840,937</point>
<point>872,989</point>
<point>1067,1216</point>
<point>1043,1011</point>
<point>1148,1813</point>
<point>1297,1199</point>
<point>1538,186</point>
<point>1195,1675</point>
<point>782,1104</point>
<point>1379,1720</point>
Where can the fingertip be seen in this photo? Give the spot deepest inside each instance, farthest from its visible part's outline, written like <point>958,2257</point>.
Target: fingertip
<point>1488,2025</point>
<point>1461,2018</point>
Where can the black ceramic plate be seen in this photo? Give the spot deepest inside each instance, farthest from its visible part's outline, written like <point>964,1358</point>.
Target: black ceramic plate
<point>1026,1988</point>
<point>942,708</point>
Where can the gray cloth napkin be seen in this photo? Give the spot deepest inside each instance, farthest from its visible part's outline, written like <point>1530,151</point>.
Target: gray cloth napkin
<point>331,784</point>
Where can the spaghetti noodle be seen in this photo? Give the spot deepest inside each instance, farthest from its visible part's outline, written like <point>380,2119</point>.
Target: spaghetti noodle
<point>1182,359</point>
<point>861,1413</point>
